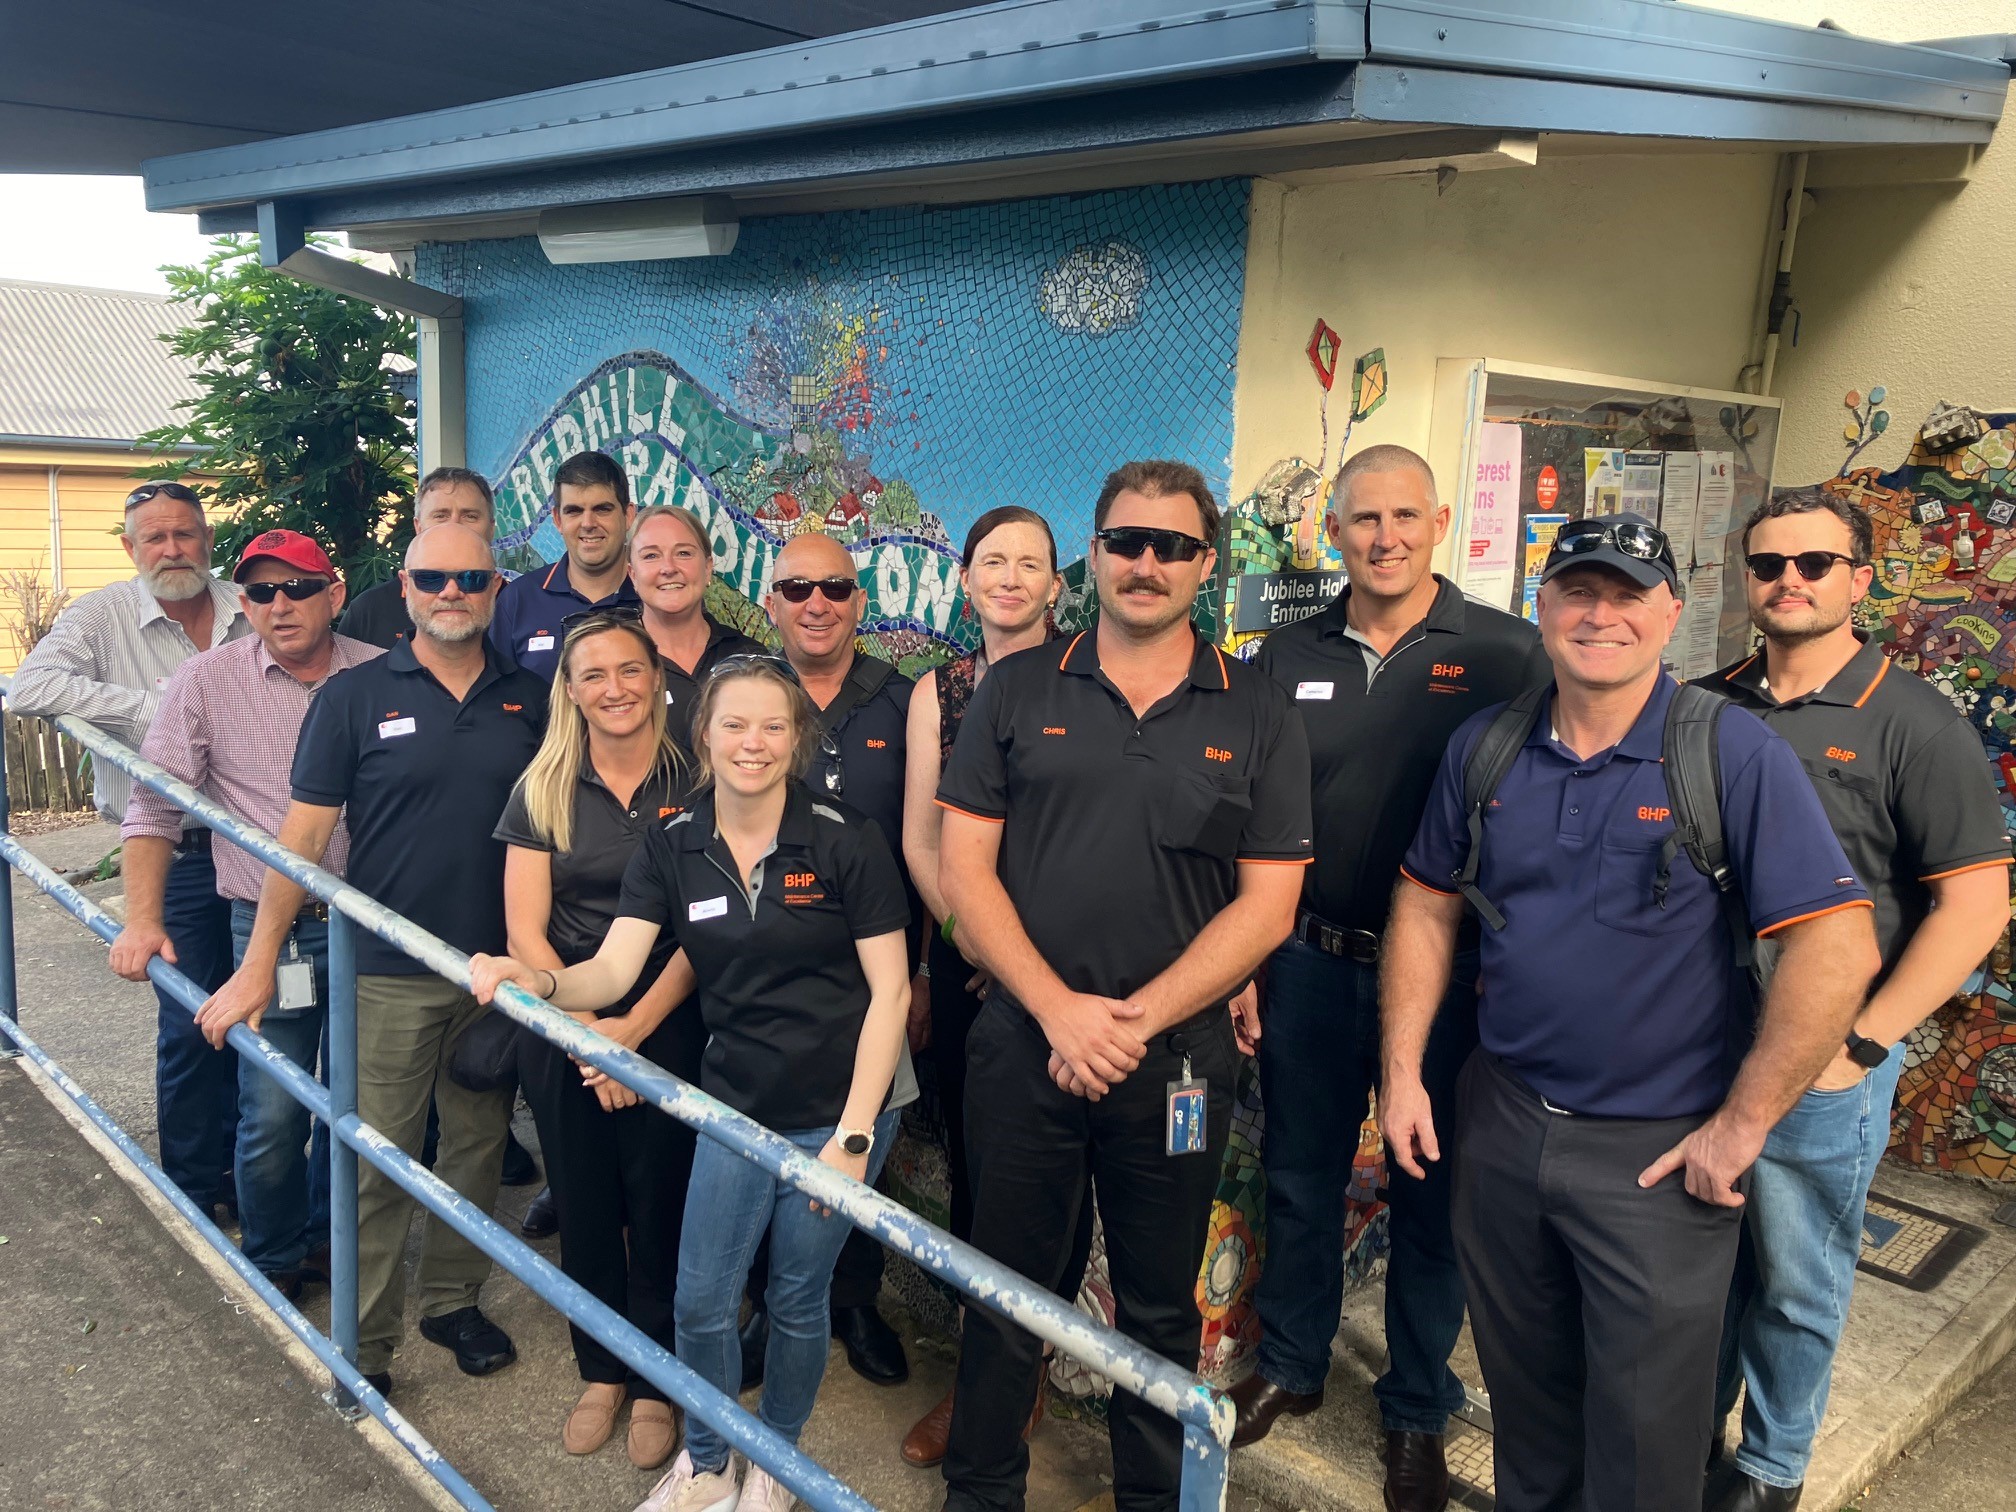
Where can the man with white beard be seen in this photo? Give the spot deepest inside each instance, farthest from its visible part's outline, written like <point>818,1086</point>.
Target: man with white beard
<point>107,660</point>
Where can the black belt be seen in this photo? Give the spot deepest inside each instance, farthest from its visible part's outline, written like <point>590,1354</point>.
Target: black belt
<point>1359,945</point>
<point>314,909</point>
<point>192,841</point>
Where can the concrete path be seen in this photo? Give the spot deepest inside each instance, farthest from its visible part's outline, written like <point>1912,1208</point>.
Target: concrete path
<point>1966,1464</point>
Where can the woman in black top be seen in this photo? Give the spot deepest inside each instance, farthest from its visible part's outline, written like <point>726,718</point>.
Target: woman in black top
<point>792,911</point>
<point>606,772</point>
<point>671,564</point>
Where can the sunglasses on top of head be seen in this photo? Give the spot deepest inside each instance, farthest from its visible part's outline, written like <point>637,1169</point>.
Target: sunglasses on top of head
<point>435,579</point>
<point>147,491</point>
<point>609,617</point>
<point>797,590</point>
<point>1130,541</point>
<point>752,661</point>
<point>1644,542</point>
<point>1769,566</point>
<point>296,589</point>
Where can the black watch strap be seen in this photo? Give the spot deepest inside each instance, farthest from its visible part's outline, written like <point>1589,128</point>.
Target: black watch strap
<point>1866,1052</point>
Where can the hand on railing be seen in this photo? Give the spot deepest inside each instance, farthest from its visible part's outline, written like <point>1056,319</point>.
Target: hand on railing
<point>831,1154</point>
<point>138,943</point>
<point>487,973</point>
<point>241,1000</point>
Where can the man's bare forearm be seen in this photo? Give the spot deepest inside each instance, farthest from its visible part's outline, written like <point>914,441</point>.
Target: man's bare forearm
<point>143,864</point>
<point>1415,959</point>
<point>305,831</point>
<point>992,930</point>
<point>1823,973</point>
<point>1971,912</point>
<point>1222,958</point>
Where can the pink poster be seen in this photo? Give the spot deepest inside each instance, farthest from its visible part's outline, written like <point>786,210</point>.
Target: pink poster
<point>1494,514</point>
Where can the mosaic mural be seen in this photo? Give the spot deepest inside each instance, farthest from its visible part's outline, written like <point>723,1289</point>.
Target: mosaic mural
<point>1944,606</point>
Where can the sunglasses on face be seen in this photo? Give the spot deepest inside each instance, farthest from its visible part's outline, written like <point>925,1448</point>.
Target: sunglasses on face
<point>1769,566</point>
<point>798,590</point>
<point>147,491</point>
<point>433,579</point>
<point>296,589</point>
<point>1130,541</point>
<point>1644,542</point>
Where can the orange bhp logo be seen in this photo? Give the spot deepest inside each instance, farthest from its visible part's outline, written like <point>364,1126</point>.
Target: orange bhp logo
<point>1654,815</point>
<point>1835,753</point>
<point>1212,753</point>
<point>514,708</point>
<point>877,745</point>
<point>1446,669</point>
<point>801,879</point>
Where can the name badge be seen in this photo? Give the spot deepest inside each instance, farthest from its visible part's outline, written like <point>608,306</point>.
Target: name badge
<point>539,643</point>
<point>1188,1112</point>
<point>668,698</point>
<point>160,685</point>
<point>1315,690</point>
<point>387,728</point>
<point>707,908</point>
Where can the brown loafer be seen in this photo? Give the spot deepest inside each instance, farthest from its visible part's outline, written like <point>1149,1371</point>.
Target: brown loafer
<point>1257,1402</point>
<point>654,1432</point>
<point>924,1444</point>
<point>593,1419</point>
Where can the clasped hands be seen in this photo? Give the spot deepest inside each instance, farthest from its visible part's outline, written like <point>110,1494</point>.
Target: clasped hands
<point>1095,1042</point>
<point>487,973</point>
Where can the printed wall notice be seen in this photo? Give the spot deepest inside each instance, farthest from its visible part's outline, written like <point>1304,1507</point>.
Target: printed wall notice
<point>1494,514</point>
<point>1540,532</point>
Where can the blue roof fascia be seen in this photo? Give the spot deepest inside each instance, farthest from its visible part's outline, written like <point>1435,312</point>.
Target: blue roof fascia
<point>1018,50</point>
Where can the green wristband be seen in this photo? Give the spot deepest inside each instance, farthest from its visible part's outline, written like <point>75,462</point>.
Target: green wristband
<point>945,929</point>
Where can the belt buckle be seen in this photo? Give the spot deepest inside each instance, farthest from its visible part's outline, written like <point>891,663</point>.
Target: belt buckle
<point>1563,1112</point>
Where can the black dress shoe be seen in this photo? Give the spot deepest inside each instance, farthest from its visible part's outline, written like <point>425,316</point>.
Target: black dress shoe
<point>1417,1475</point>
<point>379,1381</point>
<point>480,1346</point>
<point>1258,1402</point>
<point>542,1218</point>
<point>755,1336</point>
<point>872,1346</point>
<point>1750,1495</point>
<point>520,1169</point>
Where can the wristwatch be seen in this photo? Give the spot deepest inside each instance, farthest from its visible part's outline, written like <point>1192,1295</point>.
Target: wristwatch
<point>855,1141</point>
<point>1868,1053</point>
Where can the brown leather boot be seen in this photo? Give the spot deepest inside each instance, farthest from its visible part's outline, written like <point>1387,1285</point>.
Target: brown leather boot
<point>1417,1474</point>
<point>1258,1402</point>
<point>924,1444</point>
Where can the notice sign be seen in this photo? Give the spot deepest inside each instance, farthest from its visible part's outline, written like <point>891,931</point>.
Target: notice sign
<point>1494,513</point>
<point>1269,600</point>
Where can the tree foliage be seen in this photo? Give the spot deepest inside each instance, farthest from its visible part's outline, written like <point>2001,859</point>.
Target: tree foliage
<point>300,419</point>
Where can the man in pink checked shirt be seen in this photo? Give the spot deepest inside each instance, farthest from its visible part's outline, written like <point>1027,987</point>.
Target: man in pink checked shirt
<point>227,726</point>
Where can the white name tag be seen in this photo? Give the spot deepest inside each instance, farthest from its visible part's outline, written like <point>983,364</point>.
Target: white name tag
<point>1315,689</point>
<point>668,698</point>
<point>387,728</point>
<point>160,685</point>
<point>707,908</point>
<point>539,643</point>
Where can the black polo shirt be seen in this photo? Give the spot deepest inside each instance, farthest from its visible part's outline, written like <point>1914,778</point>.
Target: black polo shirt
<point>1121,836</point>
<point>378,616</point>
<point>588,875</point>
<point>862,758</point>
<point>780,985</point>
<point>421,779</point>
<point>530,608</point>
<point>1378,727</point>
<point>1902,775</point>
<point>683,692</point>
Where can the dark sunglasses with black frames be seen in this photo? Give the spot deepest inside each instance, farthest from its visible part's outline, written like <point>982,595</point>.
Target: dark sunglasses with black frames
<point>147,491</point>
<point>797,590</point>
<point>435,579</point>
<point>1645,542</point>
<point>1130,541</point>
<point>297,589</point>
<point>1769,566</point>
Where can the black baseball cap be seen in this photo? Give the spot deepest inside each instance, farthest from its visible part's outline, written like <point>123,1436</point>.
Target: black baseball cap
<point>1625,543</point>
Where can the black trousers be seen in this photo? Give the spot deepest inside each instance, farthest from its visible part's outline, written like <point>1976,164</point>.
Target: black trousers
<point>1596,1306</point>
<point>1038,1154</point>
<point>612,1172</point>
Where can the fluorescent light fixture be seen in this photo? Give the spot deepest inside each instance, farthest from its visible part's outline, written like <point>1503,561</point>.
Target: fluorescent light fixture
<point>639,230</point>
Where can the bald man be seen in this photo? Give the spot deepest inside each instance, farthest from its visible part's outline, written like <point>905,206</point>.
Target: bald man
<point>418,750</point>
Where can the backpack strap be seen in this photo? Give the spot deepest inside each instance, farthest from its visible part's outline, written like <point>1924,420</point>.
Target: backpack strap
<point>1490,759</point>
<point>1692,753</point>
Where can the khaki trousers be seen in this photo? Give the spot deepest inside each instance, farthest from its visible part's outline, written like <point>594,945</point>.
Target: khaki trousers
<point>405,1026</point>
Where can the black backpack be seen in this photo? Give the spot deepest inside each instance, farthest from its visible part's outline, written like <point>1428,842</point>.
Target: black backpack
<point>1693,763</point>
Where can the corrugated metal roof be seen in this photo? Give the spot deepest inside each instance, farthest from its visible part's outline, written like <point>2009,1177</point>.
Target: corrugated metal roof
<point>85,364</point>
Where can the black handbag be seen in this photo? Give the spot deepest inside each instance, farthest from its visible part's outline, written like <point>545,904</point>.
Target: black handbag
<point>484,1057</point>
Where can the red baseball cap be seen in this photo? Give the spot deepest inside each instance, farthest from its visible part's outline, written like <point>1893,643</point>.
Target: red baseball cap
<point>289,546</point>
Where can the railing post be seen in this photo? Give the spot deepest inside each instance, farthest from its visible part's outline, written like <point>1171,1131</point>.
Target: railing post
<point>1204,1470</point>
<point>10,1003</point>
<point>342,1159</point>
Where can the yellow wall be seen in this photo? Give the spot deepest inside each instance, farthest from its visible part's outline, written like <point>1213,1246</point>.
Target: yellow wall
<point>1642,267</point>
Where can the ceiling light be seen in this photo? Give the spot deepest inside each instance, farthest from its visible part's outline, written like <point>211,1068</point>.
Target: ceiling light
<point>639,230</point>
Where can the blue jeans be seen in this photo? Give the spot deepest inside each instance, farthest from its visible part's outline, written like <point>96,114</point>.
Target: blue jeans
<point>1319,1063</point>
<point>730,1202</point>
<point>283,1175</point>
<point>195,1087</point>
<point>1788,1301</point>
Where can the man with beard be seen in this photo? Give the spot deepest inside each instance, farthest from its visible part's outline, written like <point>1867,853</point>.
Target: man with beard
<point>1127,820</point>
<point>417,752</point>
<point>592,511</point>
<point>107,661</point>
<point>1905,784</point>
<point>446,496</point>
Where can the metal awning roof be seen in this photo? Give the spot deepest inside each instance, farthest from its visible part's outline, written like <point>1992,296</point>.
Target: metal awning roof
<point>1014,97</point>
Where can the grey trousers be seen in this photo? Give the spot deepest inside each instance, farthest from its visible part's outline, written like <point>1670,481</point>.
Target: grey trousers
<point>1596,1305</point>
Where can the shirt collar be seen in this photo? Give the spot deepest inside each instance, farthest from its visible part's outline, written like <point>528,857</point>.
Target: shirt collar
<point>1207,662</point>
<point>1446,613</point>
<point>342,654</point>
<point>1849,688</point>
<point>1644,741</point>
<point>558,580</point>
<point>794,829</point>
<point>496,663</point>
<point>223,598</point>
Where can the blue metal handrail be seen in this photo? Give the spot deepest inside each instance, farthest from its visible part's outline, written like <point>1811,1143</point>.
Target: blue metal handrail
<point>1206,1417</point>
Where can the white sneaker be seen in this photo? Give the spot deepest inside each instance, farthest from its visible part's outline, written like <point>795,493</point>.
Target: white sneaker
<point>682,1490</point>
<point>760,1493</point>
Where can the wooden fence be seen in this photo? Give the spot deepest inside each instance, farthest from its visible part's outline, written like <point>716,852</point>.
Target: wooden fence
<point>46,769</point>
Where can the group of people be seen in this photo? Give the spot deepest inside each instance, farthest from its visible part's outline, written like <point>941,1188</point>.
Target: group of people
<point>1626,965</point>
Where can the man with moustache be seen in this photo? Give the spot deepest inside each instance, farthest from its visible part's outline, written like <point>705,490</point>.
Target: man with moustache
<point>108,660</point>
<point>1127,819</point>
<point>1605,1125</point>
<point>1381,678</point>
<point>227,726</point>
<point>447,495</point>
<point>1906,785</point>
<point>417,752</point>
<point>592,511</point>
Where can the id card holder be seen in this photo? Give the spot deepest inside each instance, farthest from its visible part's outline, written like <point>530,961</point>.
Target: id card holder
<point>1188,1101</point>
<point>296,980</point>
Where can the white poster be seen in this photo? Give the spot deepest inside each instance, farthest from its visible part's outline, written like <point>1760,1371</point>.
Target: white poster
<point>1494,514</point>
<point>1711,515</point>
<point>1679,492</point>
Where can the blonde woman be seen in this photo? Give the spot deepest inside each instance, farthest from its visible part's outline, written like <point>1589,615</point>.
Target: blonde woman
<point>607,771</point>
<point>792,911</point>
<point>671,563</point>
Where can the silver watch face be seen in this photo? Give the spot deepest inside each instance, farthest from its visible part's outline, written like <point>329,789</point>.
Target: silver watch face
<point>856,1144</point>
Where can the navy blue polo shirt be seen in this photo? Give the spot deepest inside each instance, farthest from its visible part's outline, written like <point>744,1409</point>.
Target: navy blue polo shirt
<point>1604,1002</point>
<point>530,608</point>
<point>421,778</point>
